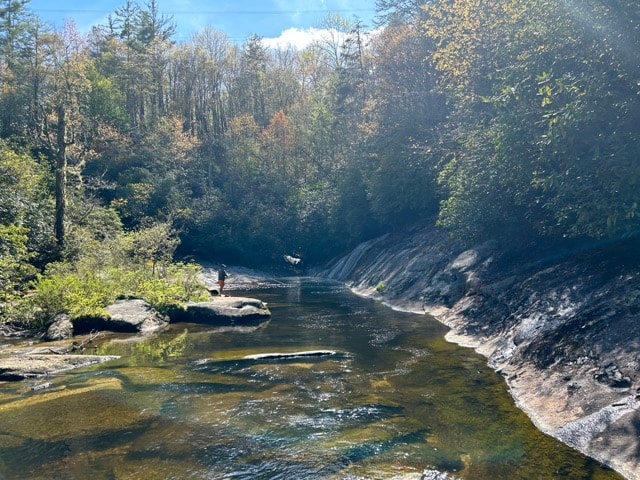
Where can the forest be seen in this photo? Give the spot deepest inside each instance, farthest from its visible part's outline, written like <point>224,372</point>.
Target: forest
<point>124,153</point>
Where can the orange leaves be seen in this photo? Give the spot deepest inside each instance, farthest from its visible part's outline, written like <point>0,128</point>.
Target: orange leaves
<point>279,133</point>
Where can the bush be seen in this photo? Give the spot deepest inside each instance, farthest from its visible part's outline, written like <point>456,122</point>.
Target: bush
<point>128,266</point>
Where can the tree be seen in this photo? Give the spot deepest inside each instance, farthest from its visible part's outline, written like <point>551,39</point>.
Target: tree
<point>394,13</point>
<point>25,227</point>
<point>542,117</point>
<point>153,181</point>
<point>15,37</point>
<point>248,87</point>
<point>154,35</point>
<point>198,77</point>
<point>124,26</point>
<point>405,130</point>
<point>64,92</point>
<point>587,173</point>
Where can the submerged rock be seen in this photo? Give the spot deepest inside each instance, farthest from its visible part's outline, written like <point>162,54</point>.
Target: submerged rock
<point>279,355</point>
<point>23,366</point>
<point>61,415</point>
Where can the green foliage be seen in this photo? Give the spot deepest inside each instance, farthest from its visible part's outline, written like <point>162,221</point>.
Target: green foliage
<point>546,139</point>
<point>178,285</point>
<point>152,180</point>
<point>106,102</point>
<point>403,131</point>
<point>24,232</point>
<point>15,270</point>
<point>506,119</point>
<point>135,265</point>
<point>25,197</point>
<point>78,294</point>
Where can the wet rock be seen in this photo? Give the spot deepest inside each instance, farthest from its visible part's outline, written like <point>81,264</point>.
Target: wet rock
<point>611,375</point>
<point>435,475</point>
<point>301,354</point>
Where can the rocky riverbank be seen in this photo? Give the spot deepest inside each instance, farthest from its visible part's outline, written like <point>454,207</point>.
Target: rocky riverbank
<point>67,341</point>
<point>561,325</point>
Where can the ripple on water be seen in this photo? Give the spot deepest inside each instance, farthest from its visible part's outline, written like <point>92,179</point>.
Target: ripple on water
<point>405,400</point>
<point>381,337</point>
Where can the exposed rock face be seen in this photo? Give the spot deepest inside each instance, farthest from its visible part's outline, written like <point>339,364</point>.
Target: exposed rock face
<point>225,311</point>
<point>562,327</point>
<point>126,316</point>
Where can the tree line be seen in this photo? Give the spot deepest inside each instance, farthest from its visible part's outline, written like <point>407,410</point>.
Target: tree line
<point>510,120</point>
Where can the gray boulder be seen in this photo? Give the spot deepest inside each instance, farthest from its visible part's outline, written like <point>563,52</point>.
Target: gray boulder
<point>225,311</point>
<point>60,329</point>
<point>126,316</point>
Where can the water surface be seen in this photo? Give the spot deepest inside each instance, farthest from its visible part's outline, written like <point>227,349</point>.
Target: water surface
<point>391,401</point>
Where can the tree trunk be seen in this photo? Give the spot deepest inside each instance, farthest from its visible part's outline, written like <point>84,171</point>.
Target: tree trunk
<point>61,178</point>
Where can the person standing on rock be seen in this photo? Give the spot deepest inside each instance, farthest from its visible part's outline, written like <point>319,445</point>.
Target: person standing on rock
<point>222,276</point>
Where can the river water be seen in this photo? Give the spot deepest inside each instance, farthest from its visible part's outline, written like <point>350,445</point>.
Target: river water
<point>384,397</point>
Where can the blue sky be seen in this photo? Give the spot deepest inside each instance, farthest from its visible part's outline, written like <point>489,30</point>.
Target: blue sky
<point>238,19</point>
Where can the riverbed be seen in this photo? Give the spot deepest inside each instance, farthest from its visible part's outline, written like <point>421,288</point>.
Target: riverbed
<point>333,386</point>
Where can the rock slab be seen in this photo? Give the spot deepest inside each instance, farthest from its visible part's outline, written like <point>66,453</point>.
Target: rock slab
<point>20,367</point>
<point>225,311</point>
<point>561,323</point>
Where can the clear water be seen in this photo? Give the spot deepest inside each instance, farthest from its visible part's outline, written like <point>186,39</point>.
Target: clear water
<point>395,400</point>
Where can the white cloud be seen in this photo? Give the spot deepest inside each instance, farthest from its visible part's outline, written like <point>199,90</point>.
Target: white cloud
<point>299,39</point>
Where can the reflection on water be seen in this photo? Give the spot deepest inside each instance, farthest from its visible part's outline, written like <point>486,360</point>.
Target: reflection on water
<point>388,399</point>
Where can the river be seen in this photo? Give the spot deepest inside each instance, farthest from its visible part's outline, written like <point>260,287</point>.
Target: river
<point>384,396</point>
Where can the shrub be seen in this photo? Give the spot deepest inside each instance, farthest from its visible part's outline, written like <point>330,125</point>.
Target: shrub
<point>129,266</point>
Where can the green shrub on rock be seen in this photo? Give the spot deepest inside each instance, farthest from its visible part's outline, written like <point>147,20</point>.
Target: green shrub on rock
<point>128,266</point>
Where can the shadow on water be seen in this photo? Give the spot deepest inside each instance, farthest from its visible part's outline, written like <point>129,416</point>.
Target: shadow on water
<point>333,387</point>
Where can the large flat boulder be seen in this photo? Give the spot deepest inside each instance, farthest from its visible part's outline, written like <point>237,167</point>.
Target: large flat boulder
<point>125,316</point>
<point>225,311</point>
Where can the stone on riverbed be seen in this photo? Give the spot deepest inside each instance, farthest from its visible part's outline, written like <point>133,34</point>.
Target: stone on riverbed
<point>137,316</point>
<point>225,311</point>
<point>61,328</point>
<point>22,366</point>
<point>289,355</point>
<point>60,417</point>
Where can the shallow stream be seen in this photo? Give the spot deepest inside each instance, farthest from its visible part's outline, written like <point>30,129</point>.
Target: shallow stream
<point>384,396</point>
